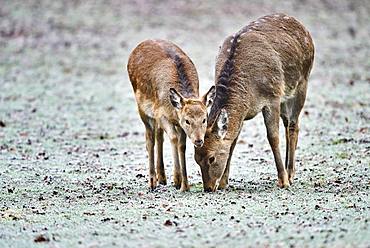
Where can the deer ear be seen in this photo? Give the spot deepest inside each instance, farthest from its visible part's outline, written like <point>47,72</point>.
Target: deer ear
<point>176,99</point>
<point>209,97</point>
<point>222,124</point>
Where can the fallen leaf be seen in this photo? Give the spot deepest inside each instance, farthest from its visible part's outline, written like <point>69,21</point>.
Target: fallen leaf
<point>168,223</point>
<point>41,238</point>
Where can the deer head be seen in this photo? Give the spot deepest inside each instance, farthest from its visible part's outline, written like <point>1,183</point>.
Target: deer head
<point>213,155</point>
<point>192,114</point>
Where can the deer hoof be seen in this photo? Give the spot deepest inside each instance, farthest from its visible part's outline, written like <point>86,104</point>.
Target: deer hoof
<point>291,175</point>
<point>177,181</point>
<point>152,182</point>
<point>185,187</point>
<point>162,180</point>
<point>283,185</point>
<point>283,182</point>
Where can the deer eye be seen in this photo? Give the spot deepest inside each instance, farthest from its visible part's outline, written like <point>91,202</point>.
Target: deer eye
<point>187,122</point>
<point>211,160</point>
<point>204,121</point>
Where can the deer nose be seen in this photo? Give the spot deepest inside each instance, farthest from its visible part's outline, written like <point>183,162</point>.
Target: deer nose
<point>198,143</point>
<point>207,190</point>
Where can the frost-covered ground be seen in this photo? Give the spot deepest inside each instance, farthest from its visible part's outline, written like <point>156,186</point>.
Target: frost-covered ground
<point>73,166</point>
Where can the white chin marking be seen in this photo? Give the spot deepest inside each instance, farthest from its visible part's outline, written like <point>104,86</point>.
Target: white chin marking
<point>217,183</point>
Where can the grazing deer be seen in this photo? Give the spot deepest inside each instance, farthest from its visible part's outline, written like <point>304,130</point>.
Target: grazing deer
<point>262,68</point>
<point>166,88</point>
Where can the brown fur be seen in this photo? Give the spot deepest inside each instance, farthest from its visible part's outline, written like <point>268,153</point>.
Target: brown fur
<point>166,88</point>
<point>271,60</point>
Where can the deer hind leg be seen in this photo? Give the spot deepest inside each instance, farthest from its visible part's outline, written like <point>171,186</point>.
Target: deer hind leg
<point>285,117</point>
<point>295,105</point>
<point>293,139</point>
<point>160,165</point>
<point>174,139</point>
<point>149,136</point>
<point>181,150</point>
<point>271,118</point>
<point>225,177</point>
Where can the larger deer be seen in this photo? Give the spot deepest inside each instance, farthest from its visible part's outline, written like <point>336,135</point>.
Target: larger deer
<point>166,88</point>
<point>262,68</point>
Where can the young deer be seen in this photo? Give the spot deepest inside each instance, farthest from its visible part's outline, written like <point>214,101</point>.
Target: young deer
<point>264,67</point>
<point>166,88</point>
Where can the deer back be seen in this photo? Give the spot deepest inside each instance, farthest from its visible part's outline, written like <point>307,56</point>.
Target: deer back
<point>154,67</point>
<point>266,59</point>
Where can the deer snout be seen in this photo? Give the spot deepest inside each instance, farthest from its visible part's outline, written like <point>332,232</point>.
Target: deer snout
<point>208,190</point>
<point>198,143</point>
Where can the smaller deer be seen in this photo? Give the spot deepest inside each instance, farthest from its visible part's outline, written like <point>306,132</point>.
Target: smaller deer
<point>262,68</point>
<point>166,88</point>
